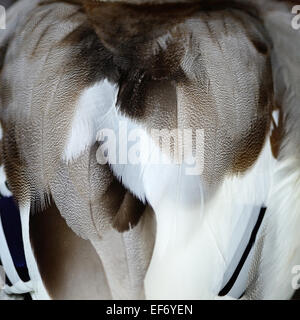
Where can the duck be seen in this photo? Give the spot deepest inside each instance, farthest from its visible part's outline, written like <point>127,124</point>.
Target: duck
<point>151,148</point>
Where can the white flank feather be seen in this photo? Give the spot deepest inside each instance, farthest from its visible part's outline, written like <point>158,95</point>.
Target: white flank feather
<point>94,106</point>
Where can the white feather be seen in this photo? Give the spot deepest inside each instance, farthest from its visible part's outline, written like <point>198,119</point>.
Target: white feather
<point>281,249</point>
<point>3,188</point>
<point>94,106</point>
<point>38,290</point>
<point>201,245</point>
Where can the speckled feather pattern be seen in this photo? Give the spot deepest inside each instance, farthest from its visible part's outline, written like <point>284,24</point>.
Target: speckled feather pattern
<point>224,71</point>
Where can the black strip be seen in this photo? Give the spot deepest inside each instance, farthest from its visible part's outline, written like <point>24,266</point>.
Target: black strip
<point>245,255</point>
<point>7,281</point>
<point>27,297</point>
<point>11,222</point>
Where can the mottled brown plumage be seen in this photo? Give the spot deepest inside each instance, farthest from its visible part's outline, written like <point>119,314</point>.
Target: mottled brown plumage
<point>182,64</point>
